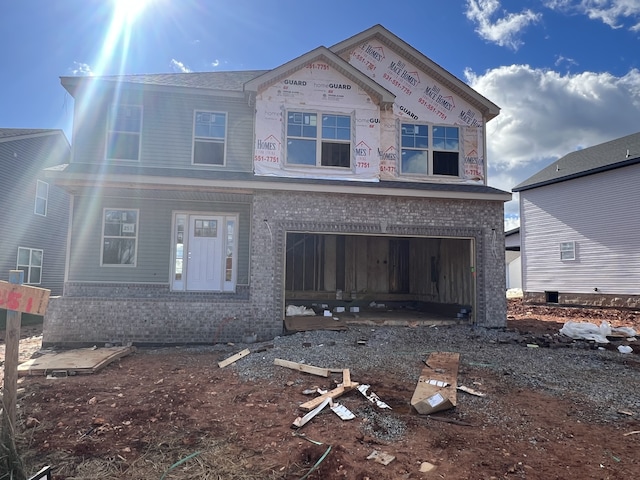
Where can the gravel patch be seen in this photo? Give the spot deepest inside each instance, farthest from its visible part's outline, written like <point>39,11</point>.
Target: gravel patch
<point>605,379</point>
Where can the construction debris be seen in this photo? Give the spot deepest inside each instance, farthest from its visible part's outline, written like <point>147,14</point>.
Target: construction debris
<point>381,457</point>
<point>301,367</point>
<point>335,393</point>
<point>343,412</point>
<point>372,397</point>
<point>234,358</point>
<point>471,391</point>
<point>301,421</point>
<point>441,369</point>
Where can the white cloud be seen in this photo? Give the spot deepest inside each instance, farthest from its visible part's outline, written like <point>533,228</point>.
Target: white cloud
<point>179,67</point>
<point>610,12</point>
<point>81,69</point>
<point>215,63</point>
<point>546,115</point>
<point>502,31</point>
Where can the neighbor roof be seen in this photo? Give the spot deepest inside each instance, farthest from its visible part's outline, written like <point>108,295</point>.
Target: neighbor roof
<point>7,134</point>
<point>617,153</point>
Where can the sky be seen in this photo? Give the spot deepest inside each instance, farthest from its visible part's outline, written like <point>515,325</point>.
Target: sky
<point>565,73</point>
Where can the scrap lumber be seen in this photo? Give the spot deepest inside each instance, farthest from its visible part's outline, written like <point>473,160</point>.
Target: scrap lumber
<point>301,367</point>
<point>301,421</point>
<point>234,358</point>
<point>335,393</point>
<point>471,391</point>
<point>346,378</point>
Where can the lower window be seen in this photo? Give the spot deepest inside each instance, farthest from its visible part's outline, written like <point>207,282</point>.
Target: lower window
<point>119,237</point>
<point>30,262</point>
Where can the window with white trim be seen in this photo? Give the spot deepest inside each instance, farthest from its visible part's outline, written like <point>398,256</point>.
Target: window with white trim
<point>419,156</point>
<point>567,250</point>
<point>42,198</point>
<point>30,262</point>
<point>123,132</point>
<point>327,144</point>
<point>119,237</point>
<point>209,138</point>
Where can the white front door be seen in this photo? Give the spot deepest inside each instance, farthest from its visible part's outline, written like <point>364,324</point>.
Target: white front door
<point>204,253</point>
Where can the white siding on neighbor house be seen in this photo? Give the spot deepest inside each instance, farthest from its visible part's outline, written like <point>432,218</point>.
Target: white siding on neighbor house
<point>514,275</point>
<point>598,213</point>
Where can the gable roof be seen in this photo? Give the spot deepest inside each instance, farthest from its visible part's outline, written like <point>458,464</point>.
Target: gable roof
<point>616,153</point>
<point>488,108</point>
<point>379,93</point>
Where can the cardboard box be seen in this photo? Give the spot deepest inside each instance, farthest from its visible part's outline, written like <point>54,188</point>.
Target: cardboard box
<point>436,388</point>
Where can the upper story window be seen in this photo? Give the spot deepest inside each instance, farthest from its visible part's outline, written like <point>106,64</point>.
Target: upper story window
<point>209,138</point>
<point>324,145</point>
<point>119,237</point>
<point>30,262</point>
<point>440,156</point>
<point>123,132</point>
<point>567,250</point>
<point>42,198</point>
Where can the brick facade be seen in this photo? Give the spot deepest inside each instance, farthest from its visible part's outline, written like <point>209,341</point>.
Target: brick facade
<point>151,314</point>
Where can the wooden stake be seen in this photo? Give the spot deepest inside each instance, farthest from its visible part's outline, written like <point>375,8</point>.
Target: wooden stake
<point>12,349</point>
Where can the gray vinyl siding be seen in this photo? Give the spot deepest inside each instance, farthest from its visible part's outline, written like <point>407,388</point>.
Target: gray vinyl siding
<point>598,213</point>
<point>153,257</point>
<point>167,130</point>
<point>22,162</point>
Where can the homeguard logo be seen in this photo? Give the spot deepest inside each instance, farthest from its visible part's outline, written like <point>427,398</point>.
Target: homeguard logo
<point>340,86</point>
<point>270,143</point>
<point>362,149</point>
<point>377,53</point>
<point>300,83</point>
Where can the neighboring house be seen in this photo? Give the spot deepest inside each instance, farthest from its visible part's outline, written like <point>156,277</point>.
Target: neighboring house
<point>512,258</point>
<point>35,214</point>
<point>206,203</point>
<point>579,227</point>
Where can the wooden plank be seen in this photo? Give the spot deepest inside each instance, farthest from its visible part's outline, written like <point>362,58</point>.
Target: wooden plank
<point>346,378</point>
<point>11,355</point>
<point>23,298</point>
<point>234,358</point>
<point>301,367</point>
<point>301,421</point>
<point>335,393</point>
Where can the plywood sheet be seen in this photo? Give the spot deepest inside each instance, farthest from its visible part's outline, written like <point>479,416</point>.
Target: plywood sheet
<point>79,361</point>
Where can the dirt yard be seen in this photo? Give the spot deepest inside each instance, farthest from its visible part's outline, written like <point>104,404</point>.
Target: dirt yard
<point>174,414</point>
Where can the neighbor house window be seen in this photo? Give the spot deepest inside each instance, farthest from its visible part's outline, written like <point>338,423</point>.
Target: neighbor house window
<point>567,250</point>
<point>30,262</point>
<point>324,144</point>
<point>123,135</point>
<point>419,155</point>
<point>119,237</point>
<point>209,134</point>
<point>42,198</point>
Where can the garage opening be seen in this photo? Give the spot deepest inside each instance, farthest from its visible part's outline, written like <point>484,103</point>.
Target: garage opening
<point>381,278</point>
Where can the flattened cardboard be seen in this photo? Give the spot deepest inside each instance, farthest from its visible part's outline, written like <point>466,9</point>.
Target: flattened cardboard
<point>436,388</point>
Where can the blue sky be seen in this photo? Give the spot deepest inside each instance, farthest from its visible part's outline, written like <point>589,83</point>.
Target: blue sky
<point>566,74</point>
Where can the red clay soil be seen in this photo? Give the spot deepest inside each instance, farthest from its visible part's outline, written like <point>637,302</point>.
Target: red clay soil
<point>140,415</point>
